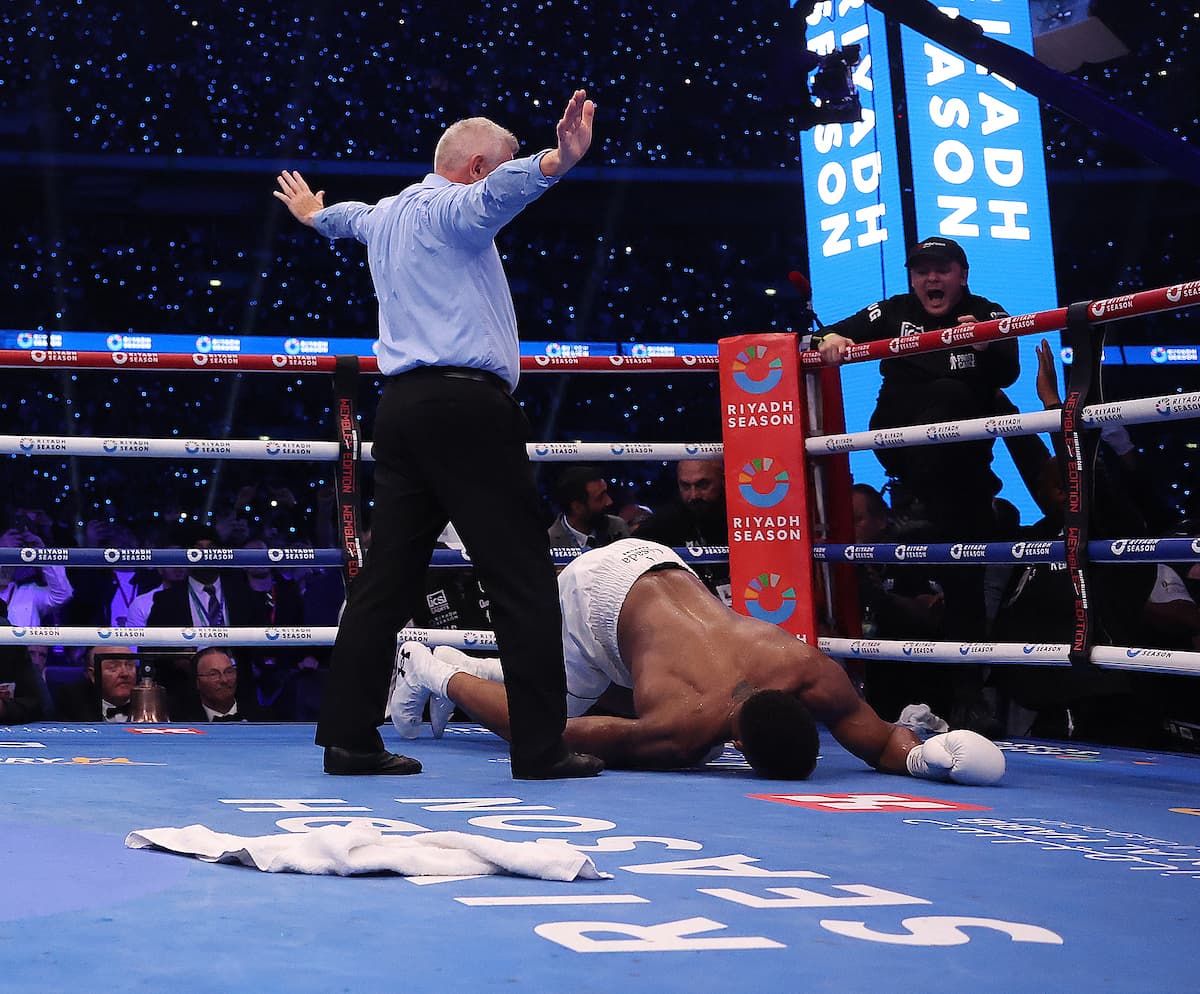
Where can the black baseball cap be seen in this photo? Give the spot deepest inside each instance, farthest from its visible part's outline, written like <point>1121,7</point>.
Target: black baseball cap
<point>937,248</point>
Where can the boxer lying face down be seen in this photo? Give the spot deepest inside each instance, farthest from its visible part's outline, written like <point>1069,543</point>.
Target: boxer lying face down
<point>661,674</point>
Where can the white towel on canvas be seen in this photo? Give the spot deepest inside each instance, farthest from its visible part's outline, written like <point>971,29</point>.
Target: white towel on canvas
<point>348,850</point>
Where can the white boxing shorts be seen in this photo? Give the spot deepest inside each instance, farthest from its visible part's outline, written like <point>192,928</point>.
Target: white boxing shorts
<point>592,589</point>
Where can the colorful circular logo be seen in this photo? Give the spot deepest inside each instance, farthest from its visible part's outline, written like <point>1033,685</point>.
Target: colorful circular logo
<point>291,346</point>
<point>767,602</point>
<point>761,484</point>
<point>1158,354</point>
<point>756,371</point>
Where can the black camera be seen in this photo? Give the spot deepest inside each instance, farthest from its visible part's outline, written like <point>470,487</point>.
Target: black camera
<point>832,91</point>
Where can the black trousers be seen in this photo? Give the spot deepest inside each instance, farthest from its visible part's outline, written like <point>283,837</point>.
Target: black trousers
<point>452,448</point>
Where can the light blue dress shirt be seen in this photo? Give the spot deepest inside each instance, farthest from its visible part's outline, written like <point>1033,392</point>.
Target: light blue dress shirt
<point>443,296</point>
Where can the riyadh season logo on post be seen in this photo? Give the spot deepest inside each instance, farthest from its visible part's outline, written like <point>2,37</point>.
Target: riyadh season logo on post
<point>769,598</point>
<point>756,370</point>
<point>762,484</point>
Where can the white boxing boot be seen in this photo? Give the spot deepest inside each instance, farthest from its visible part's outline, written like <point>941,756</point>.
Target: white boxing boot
<point>420,676</point>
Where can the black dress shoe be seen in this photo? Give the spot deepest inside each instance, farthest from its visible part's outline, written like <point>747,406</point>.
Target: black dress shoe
<point>573,764</point>
<point>379,762</point>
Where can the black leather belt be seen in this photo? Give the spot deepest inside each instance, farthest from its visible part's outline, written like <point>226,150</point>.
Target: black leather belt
<point>459,373</point>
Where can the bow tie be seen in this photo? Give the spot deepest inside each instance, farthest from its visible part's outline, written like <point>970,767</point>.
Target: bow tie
<point>109,713</point>
<point>226,717</point>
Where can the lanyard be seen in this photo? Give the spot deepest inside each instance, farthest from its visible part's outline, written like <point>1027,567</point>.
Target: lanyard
<point>201,608</point>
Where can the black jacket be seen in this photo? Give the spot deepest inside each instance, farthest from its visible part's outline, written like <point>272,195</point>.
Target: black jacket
<point>996,366</point>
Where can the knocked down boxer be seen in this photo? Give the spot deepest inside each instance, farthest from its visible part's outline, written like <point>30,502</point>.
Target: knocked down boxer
<point>677,674</point>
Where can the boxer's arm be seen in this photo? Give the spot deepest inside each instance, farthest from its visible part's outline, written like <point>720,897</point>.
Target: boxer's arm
<point>831,699</point>
<point>632,743</point>
<point>877,742</point>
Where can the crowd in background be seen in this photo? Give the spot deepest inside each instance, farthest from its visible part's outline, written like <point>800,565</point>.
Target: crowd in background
<point>139,147</point>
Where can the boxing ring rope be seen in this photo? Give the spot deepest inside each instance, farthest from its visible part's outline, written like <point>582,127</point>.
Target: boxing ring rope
<point>1076,548</point>
<point>1103,311</point>
<point>1121,550</point>
<point>1174,406</point>
<point>305,451</point>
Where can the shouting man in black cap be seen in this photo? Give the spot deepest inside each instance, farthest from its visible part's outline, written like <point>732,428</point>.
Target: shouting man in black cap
<point>946,488</point>
<point>951,486</point>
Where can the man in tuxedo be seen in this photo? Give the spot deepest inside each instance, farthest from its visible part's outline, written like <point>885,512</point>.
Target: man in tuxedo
<point>103,694</point>
<point>216,685</point>
<point>211,598</point>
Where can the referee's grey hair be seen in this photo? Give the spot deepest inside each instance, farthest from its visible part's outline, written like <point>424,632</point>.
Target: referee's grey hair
<point>464,138</point>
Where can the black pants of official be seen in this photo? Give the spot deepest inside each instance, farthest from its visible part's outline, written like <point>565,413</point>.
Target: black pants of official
<point>450,448</point>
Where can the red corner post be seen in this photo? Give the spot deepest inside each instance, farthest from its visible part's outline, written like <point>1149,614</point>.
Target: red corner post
<point>770,538</point>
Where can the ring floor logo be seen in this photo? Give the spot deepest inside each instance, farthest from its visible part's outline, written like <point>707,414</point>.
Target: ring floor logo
<point>767,599</point>
<point>761,484</point>
<point>756,370</point>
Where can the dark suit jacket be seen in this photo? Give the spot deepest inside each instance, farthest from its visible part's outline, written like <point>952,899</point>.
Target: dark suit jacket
<point>26,703</point>
<point>611,529</point>
<point>243,606</point>
<point>94,591</point>
<point>248,709</point>
<point>78,701</point>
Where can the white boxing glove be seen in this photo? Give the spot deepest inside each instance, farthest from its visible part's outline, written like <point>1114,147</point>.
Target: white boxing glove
<point>962,756</point>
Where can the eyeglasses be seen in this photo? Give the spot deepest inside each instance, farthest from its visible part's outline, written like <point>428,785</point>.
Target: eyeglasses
<point>228,673</point>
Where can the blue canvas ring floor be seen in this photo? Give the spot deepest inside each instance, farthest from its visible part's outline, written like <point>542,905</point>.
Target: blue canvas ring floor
<point>1079,872</point>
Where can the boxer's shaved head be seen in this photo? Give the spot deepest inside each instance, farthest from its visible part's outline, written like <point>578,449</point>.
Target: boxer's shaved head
<point>777,736</point>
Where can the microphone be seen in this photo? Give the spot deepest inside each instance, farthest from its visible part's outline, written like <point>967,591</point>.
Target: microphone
<point>804,288</point>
